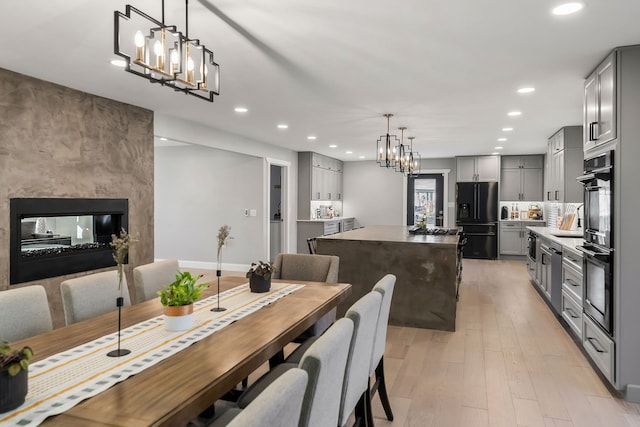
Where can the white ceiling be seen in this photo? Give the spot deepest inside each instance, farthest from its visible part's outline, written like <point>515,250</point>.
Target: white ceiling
<point>447,69</point>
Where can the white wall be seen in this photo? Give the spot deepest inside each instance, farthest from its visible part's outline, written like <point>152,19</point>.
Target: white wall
<point>198,190</point>
<point>373,195</point>
<point>222,142</point>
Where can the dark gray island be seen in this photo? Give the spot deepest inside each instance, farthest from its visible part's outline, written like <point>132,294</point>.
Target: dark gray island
<point>425,267</point>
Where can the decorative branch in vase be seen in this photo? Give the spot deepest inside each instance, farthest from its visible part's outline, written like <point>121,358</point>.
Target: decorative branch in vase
<point>120,245</point>
<point>224,234</point>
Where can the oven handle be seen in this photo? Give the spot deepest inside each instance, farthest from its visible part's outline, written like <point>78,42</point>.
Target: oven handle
<point>586,178</point>
<point>593,254</point>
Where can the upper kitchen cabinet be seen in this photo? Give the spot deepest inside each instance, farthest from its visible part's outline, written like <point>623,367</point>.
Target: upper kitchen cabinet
<point>564,165</point>
<point>521,177</point>
<point>599,122</point>
<point>319,179</point>
<point>480,168</point>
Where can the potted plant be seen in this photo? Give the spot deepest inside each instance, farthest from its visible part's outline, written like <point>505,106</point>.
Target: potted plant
<point>178,301</point>
<point>259,276</point>
<point>14,365</point>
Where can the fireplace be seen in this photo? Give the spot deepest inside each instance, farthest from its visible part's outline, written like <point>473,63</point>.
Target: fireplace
<point>54,237</point>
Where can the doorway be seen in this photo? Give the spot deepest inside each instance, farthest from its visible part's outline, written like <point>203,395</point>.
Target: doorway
<point>275,211</point>
<point>425,199</point>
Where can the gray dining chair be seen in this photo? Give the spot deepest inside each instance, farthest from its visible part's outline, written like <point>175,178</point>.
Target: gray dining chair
<point>364,314</point>
<point>325,362</point>
<point>89,296</point>
<point>150,278</point>
<point>312,268</point>
<point>24,312</point>
<point>279,404</point>
<point>385,287</point>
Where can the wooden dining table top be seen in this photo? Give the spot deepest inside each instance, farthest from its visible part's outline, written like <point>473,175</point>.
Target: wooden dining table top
<point>177,389</point>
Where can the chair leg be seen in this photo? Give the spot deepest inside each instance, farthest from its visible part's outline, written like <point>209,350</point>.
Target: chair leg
<point>369,410</point>
<point>361,412</point>
<point>382,389</point>
<point>276,359</point>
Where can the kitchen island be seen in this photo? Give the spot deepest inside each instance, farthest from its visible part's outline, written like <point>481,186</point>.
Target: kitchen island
<point>425,267</point>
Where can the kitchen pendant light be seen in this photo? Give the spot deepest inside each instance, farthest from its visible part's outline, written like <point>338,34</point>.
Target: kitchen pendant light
<point>413,160</point>
<point>386,147</point>
<point>401,153</point>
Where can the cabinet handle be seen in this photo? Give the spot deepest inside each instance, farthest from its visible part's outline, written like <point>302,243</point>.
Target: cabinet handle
<point>556,194</point>
<point>329,196</point>
<point>595,347</point>
<point>572,283</point>
<point>549,195</point>
<point>571,313</point>
<point>592,131</point>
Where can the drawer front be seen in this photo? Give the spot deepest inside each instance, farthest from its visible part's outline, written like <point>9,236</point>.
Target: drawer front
<point>572,260</point>
<point>572,282</point>
<point>331,227</point>
<point>572,313</point>
<point>347,224</point>
<point>599,346</point>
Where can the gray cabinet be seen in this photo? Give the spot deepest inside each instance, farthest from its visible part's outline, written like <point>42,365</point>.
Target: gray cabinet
<point>564,163</point>
<point>521,178</point>
<point>599,121</point>
<point>480,168</point>
<point>319,179</point>
<point>572,290</point>
<point>514,237</point>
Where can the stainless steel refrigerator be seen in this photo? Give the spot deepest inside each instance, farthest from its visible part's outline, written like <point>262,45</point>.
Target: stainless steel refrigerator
<point>477,214</point>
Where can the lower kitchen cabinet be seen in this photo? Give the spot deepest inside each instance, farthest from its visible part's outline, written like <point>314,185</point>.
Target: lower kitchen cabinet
<point>572,313</point>
<point>514,237</point>
<point>599,347</point>
<point>316,228</point>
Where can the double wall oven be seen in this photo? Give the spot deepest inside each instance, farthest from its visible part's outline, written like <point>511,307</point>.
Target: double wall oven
<point>598,243</point>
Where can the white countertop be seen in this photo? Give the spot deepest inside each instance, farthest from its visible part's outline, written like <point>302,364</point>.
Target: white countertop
<point>569,241</point>
<point>542,221</point>
<point>335,218</point>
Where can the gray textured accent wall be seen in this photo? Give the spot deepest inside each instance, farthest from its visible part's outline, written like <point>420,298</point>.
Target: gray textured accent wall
<point>59,142</point>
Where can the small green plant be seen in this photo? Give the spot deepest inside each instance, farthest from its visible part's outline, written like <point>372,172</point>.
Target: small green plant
<point>263,269</point>
<point>183,291</point>
<point>13,359</point>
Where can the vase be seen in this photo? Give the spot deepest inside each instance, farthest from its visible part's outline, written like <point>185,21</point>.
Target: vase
<point>259,284</point>
<point>13,390</point>
<point>178,318</point>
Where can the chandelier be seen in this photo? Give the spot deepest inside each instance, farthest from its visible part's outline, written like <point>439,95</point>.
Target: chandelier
<point>401,153</point>
<point>413,160</point>
<point>386,148</point>
<point>162,54</point>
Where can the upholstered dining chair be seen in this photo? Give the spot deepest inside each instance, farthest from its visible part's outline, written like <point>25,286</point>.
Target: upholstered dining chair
<point>148,279</point>
<point>279,404</point>
<point>89,296</point>
<point>325,362</point>
<point>24,312</point>
<point>312,268</point>
<point>364,314</point>
<point>385,287</point>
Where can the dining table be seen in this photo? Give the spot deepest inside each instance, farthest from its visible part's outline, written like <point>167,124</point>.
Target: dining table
<point>178,388</point>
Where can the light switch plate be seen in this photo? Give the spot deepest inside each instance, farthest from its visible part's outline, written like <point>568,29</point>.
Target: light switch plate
<point>254,212</point>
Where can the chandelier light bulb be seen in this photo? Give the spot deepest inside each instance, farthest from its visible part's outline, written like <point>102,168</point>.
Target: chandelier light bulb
<point>190,67</point>
<point>158,51</point>
<point>139,42</point>
<point>175,60</point>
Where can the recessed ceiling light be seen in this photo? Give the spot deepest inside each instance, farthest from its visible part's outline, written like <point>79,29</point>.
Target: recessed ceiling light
<point>361,157</point>
<point>526,89</point>
<point>311,137</point>
<point>333,146</point>
<point>502,139</point>
<point>163,139</point>
<point>349,152</point>
<point>514,113</point>
<point>283,126</point>
<point>241,109</point>
<point>497,148</point>
<point>495,153</point>
<point>567,8</point>
<point>119,63</point>
<point>507,129</point>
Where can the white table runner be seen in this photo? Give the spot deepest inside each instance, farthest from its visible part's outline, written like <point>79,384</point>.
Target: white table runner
<point>61,381</point>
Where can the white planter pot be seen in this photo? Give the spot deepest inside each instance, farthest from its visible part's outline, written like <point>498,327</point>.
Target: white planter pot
<point>178,318</point>
<point>178,323</point>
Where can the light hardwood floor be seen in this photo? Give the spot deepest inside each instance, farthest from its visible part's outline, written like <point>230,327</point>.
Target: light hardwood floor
<point>509,363</point>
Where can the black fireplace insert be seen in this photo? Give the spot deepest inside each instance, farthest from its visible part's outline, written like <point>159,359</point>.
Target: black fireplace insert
<point>53,237</point>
